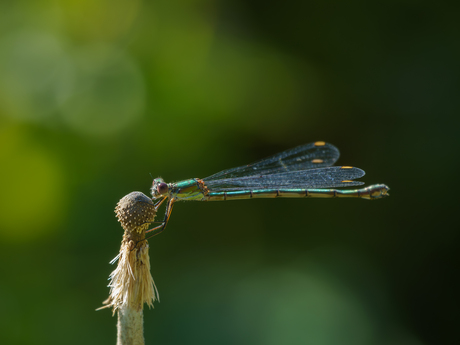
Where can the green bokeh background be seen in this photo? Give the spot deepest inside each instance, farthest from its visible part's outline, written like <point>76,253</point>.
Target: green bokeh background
<point>98,96</point>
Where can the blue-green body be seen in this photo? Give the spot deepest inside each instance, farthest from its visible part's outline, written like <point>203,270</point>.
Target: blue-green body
<point>195,189</point>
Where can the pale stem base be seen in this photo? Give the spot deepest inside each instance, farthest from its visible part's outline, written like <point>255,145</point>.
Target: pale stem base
<point>130,326</point>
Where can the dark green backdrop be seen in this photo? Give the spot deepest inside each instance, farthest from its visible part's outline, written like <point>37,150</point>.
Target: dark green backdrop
<point>98,96</point>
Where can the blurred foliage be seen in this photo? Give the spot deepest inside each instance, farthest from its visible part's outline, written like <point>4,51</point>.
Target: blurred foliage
<point>97,97</point>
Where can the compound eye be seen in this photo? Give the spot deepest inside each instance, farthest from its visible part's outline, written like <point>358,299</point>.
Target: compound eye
<point>162,188</point>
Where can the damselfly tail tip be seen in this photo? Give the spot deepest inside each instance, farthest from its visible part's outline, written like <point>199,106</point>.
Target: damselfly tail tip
<point>379,191</point>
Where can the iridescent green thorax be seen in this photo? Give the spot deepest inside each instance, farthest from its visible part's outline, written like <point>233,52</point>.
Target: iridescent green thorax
<point>190,189</point>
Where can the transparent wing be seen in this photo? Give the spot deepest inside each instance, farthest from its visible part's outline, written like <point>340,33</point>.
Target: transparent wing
<point>312,178</point>
<point>304,157</point>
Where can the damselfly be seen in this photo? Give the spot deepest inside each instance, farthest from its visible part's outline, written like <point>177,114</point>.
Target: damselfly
<point>302,172</point>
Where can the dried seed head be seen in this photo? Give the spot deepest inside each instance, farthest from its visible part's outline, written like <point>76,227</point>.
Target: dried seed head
<point>131,283</point>
<point>135,210</point>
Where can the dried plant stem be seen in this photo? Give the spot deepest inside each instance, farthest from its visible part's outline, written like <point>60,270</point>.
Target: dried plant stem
<point>130,326</point>
<point>131,284</point>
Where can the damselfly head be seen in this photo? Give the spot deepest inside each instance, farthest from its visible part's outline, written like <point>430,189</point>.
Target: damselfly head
<point>159,188</point>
